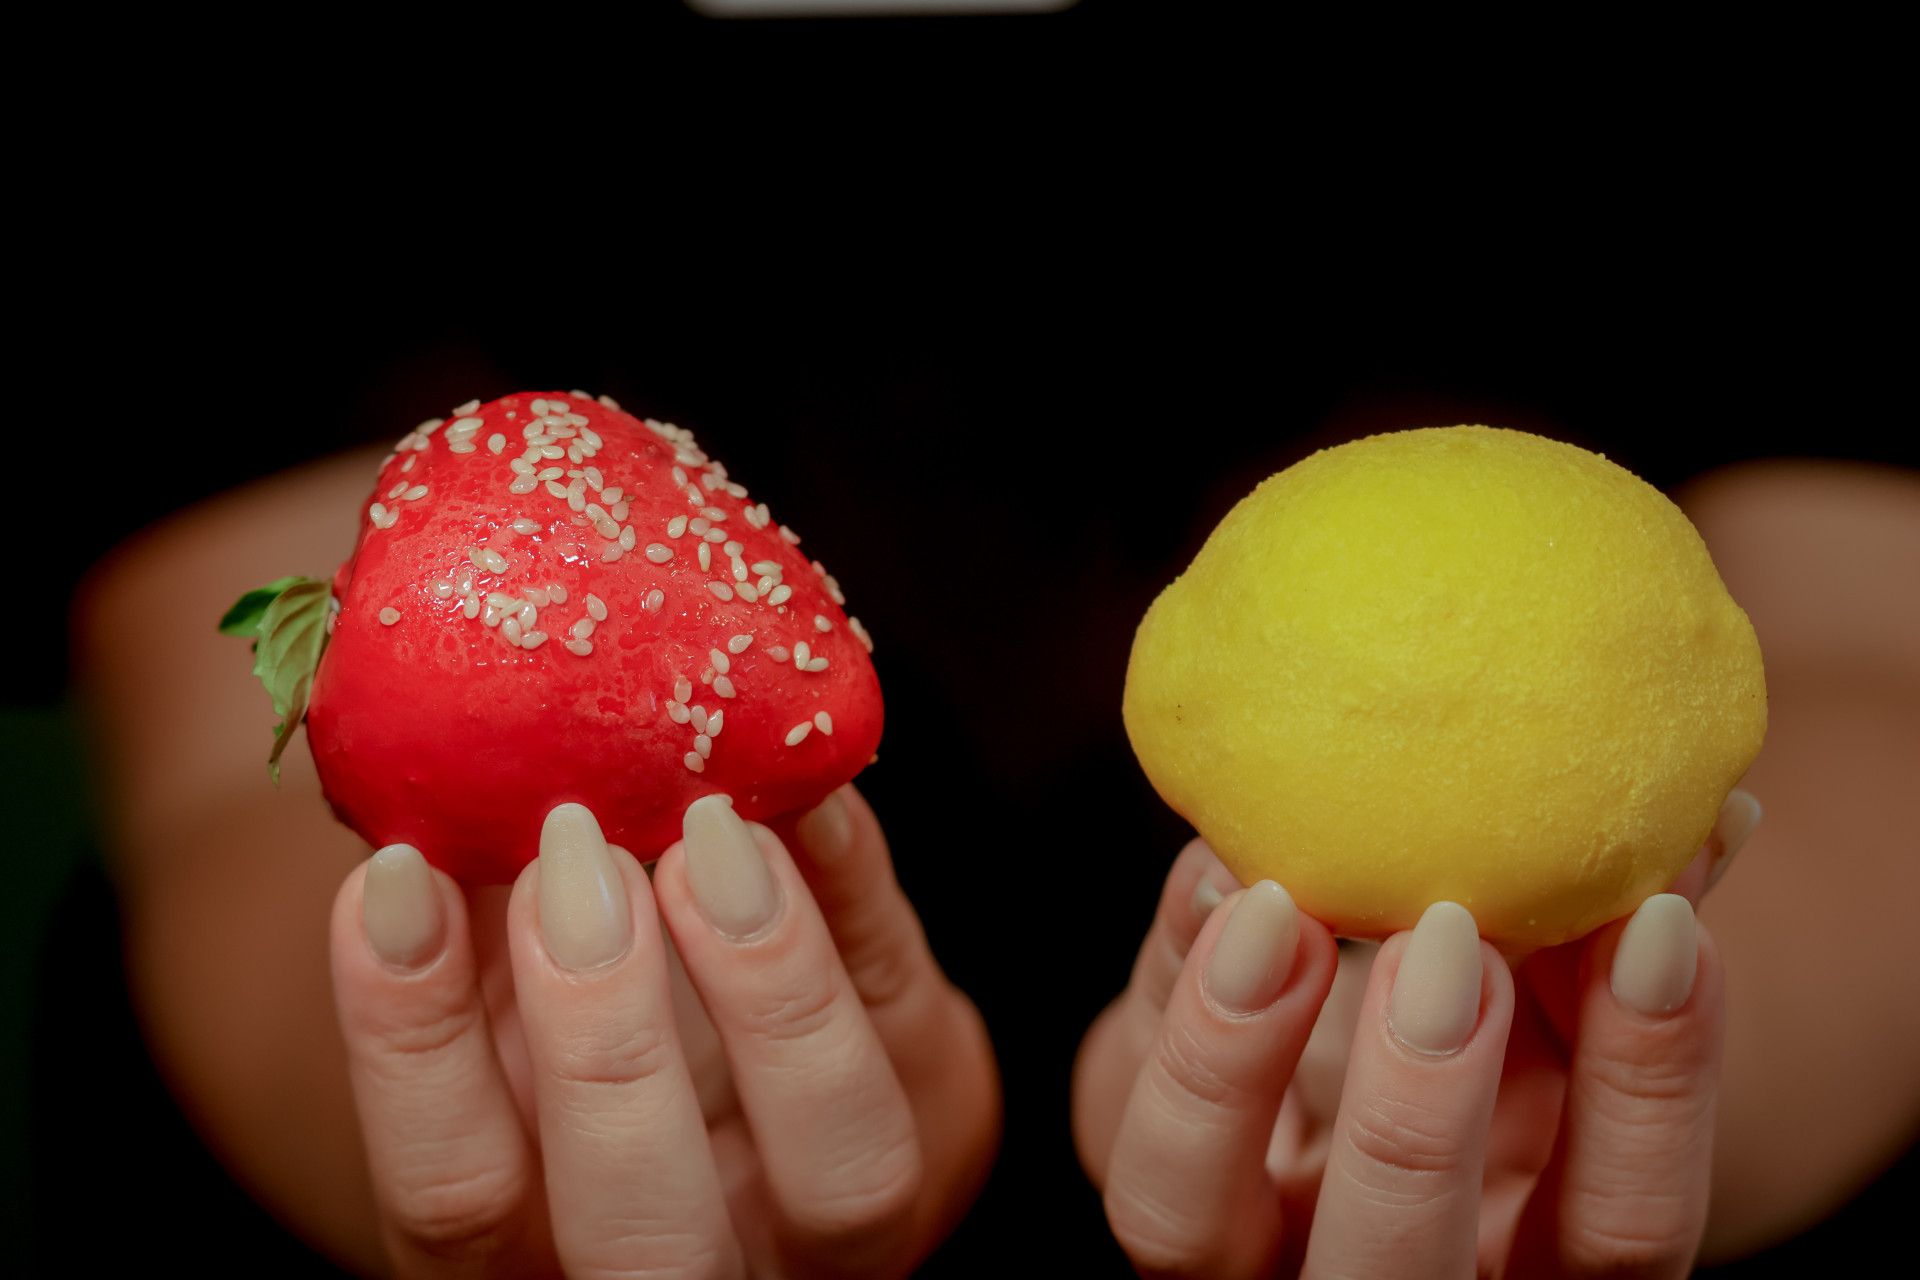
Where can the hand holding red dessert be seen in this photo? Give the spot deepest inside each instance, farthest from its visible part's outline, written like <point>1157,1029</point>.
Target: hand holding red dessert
<point>837,1113</point>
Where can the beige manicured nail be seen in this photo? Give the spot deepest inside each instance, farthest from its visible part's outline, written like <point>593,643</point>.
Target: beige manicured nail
<point>401,907</point>
<point>729,878</point>
<point>1254,955</point>
<point>1654,964</point>
<point>1739,815</point>
<point>1205,898</point>
<point>826,830</point>
<point>583,902</point>
<point>1436,994</point>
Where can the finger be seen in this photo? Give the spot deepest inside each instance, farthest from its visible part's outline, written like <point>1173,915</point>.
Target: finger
<point>932,1034</point>
<point>829,1118</point>
<point>1187,1192</point>
<point>453,1173</point>
<point>630,1176</point>
<point>1117,1043</point>
<point>1401,1193</point>
<point>1739,815</point>
<point>1626,1190</point>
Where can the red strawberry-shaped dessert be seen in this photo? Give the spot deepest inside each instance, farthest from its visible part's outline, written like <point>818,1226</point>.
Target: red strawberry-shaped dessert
<point>552,600</point>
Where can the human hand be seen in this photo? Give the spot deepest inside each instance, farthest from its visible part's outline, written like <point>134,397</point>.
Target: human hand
<point>781,1082</point>
<point>1448,1113</point>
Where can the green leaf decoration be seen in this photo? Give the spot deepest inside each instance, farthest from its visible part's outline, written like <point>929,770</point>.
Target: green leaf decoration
<point>244,618</point>
<point>289,619</point>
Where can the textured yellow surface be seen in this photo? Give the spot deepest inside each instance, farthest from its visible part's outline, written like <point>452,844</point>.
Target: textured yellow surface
<point>1457,663</point>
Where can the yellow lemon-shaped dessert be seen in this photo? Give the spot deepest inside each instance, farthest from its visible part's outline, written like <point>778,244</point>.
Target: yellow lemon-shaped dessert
<point>1459,663</point>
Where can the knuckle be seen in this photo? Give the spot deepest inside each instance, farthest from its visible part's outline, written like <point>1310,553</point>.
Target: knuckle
<point>456,1214</point>
<point>863,1205</point>
<point>799,1010</point>
<point>423,1037</point>
<point>1396,1136</point>
<point>595,1055</point>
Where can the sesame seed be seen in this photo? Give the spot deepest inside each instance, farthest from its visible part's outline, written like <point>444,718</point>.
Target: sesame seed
<point>466,425</point>
<point>853,625</point>
<point>694,762</point>
<point>466,408</point>
<point>538,408</point>
<point>432,425</point>
<point>658,552</point>
<point>778,653</point>
<point>577,499</point>
<point>678,713</point>
<point>714,535</point>
<point>682,689</point>
<point>397,490</point>
<point>693,496</point>
<point>389,615</point>
<point>472,607</point>
<point>618,510</point>
<point>416,493</point>
<point>532,639</point>
<point>818,664</point>
<point>706,557</point>
<point>747,592</point>
<point>610,403</point>
<point>463,446</point>
<point>490,560</point>
<point>766,584</point>
<point>703,744</point>
<point>407,465</point>
<point>739,644</point>
<point>628,537</point>
<point>558,592</point>
<point>594,479</point>
<point>492,616</point>
<point>833,591</point>
<point>580,647</point>
<point>699,525</point>
<point>524,525</point>
<point>577,419</point>
<point>502,601</point>
<point>690,457</point>
<point>676,526</point>
<point>510,628</point>
<point>711,481</point>
<point>699,719</point>
<point>596,607</point>
<point>613,552</point>
<point>520,466</point>
<point>535,596</point>
<point>706,677</point>
<point>767,567</point>
<point>583,629</point>
<point>823,722</point>
<point>739,569</point>
<point>605,527</point>
<point>611,493</point>
<point>736,490</point>
<point>576,454</point>
<point>591,436</point>
<point>780,594</point>
<point>790,535</point>
<point>654,600</point>
<point>552,451</point>
<point>526,484</point>
<point>721,589</point>
<point>733,549</point>
<point>714,514</point>
<point>718,659</point>
<point>679,477</point>
<point>723,685</point>
<point>528,614</point>
<point>377,512</point>
<point>820,622</point>
<point>496,442</point>
<point>801,652</point>
<point>442,588</point>
<point>557,489</point>
<point>798,734</point>
<point>550,475</point>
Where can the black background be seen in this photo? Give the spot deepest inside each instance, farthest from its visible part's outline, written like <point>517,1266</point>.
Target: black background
<point>1001,315</point>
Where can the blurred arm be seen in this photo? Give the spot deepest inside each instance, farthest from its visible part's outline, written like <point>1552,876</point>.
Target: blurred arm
<point>1821,1085</point>
<point>226,883</point>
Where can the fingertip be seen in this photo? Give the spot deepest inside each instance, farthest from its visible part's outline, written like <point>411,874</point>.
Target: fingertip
<point>402,908</point>
<point>825,831</point>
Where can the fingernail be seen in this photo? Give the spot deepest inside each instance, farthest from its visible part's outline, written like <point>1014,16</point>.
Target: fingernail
<point>826,831</point>
<point>1739,815</point>
<point>729,878</point>
<point>1654,964</point>
<point>1436,994</point>
<point>1205,898</point>
<point>583,902</point>
<point>1254,955</point>
<point>401,907</point>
